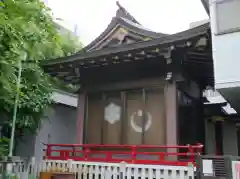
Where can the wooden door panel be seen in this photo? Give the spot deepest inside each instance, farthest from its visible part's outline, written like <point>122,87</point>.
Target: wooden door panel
<point>134,129</point>
<point>154,109</point>
<point>95,118</point>
<point>112,119</point>
<point>134,105</point>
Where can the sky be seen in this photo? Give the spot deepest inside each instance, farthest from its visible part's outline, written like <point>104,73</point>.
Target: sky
<point>92,16</point>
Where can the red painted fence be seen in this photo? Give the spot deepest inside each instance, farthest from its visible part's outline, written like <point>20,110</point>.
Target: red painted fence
<point>137,154</point>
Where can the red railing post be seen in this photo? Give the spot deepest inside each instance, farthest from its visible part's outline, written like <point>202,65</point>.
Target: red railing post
<point>134,153</point>
<point>86,152</point>
<point>62,155</point>
<point>199,148</point>
<point>73,151</point>
<point>162,156</point>
<point>48,151</point>
<point>66,154</point>
<point>191,153</point>
<point>108,156</point>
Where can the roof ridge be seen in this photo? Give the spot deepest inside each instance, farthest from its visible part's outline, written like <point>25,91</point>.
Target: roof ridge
<point>123,13</point>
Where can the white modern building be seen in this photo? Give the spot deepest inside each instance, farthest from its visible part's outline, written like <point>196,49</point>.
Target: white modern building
<point>225,26</point>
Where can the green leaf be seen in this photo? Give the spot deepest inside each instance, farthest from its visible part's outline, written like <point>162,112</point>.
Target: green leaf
<point>27,26</point>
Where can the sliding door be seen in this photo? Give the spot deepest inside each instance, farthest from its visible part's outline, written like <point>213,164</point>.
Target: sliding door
<point>155,118</point>
<point>95,113</point>
<point>112,118</point>
<point>134,117</point>
<point>127,117</point>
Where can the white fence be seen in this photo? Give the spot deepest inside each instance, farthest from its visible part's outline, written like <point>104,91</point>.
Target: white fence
<point>95,170</point>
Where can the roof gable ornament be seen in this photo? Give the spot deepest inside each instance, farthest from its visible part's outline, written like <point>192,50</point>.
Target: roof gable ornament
<point>123,29</point>
<point>123,13</point>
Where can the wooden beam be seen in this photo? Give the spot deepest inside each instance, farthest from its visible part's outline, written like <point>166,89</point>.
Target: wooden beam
<point>144,114</point>
<point>123,117</point>
<point>170,93</point>
<point>200,54</point>
<point>85,134</point>
<point>127,85</point>
<point>103,127</point>
<point>179,38</point>
<point>80,117</point>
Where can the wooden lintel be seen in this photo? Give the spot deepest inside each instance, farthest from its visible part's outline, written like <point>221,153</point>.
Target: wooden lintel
<point>146,83</point>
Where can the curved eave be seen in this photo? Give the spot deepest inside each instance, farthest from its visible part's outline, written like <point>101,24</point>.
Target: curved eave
<point>69,68</point>
<point>140,29</point>
<point>126,24</point>
<point>109,28</point>
<point>155,43</point>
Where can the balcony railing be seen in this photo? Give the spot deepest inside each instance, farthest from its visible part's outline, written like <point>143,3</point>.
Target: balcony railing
<point>132,154</point>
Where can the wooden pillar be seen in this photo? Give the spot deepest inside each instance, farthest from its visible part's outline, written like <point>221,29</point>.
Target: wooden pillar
<point>124,121</point>
<point>144,115</point>
<point>80,117</point>
<point>171,115</point>
<point>210,139</point>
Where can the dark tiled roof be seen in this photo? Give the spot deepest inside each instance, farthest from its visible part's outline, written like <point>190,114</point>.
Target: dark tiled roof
<point>162,42</point>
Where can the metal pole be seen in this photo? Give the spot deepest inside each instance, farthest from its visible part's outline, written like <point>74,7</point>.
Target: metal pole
<point>11,145</point>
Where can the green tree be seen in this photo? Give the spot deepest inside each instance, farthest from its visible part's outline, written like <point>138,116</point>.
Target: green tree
<point>27,28</point>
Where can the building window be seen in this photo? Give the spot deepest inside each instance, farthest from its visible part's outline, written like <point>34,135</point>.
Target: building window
<point>227,15</point>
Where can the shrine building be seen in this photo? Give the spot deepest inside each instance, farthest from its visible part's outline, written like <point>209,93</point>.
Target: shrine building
<point>139,87</point>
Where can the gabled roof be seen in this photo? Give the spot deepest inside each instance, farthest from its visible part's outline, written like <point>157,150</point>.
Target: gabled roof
<point>68,68</point>
<point>113,48</point>
<point>164,42</point>
<point>122,26</point>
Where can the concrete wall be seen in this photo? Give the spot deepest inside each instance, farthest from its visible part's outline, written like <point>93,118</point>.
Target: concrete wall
<point>226,55</point>
<point>230,142</point>
<point>25,147</point>
<point>210,145</point>
<point>225,28</point>
<point>225,40</point>
<point>59,127</point>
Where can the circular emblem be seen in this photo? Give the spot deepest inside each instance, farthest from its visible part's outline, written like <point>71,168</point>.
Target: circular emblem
<point>138,128</point>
